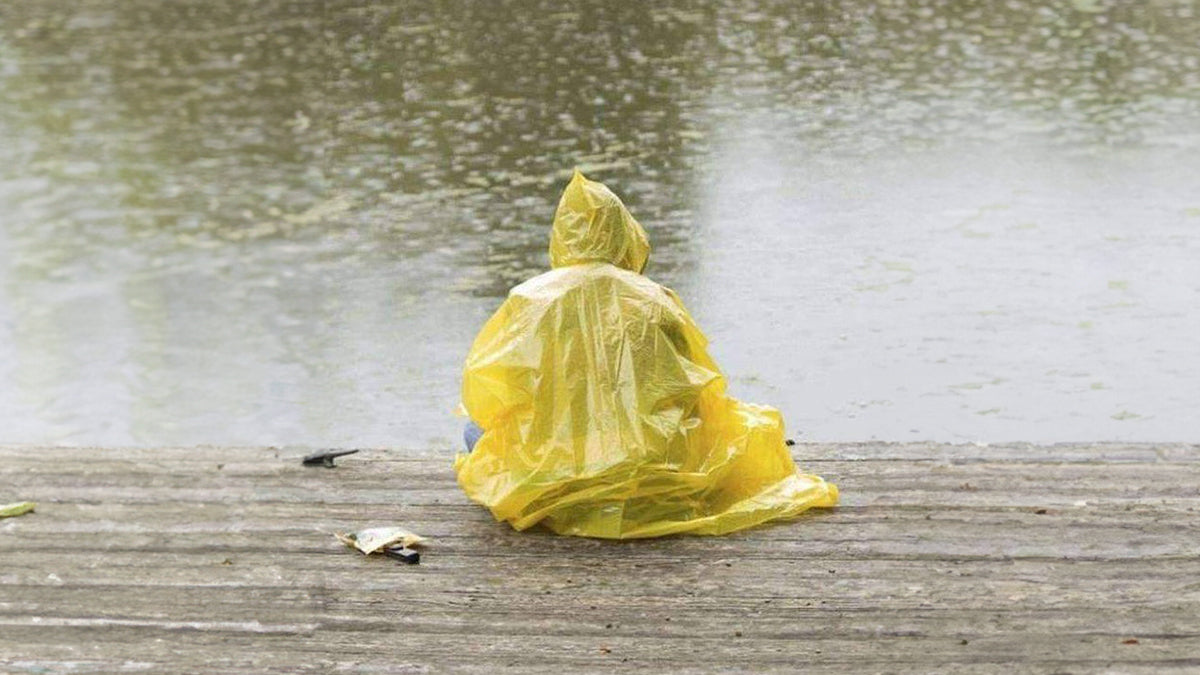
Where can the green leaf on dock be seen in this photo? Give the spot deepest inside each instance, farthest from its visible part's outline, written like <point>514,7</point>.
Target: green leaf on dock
<point>16,509</point>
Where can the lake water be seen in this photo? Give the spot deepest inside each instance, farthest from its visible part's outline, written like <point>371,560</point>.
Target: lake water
<point>278,222</point>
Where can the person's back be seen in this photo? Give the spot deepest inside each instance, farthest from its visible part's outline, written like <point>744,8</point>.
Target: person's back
<point>603,414</point>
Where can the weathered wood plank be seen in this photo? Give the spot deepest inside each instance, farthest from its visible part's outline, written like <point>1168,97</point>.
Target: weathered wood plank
<point>942,559</point>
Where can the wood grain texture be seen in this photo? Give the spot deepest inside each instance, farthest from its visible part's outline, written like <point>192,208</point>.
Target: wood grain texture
<point>954,559</point>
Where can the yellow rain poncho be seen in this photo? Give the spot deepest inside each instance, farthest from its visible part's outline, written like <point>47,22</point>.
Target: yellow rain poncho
<point>603,414</point>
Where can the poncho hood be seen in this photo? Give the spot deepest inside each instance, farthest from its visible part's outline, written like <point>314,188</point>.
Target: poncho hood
<point>591,224</point>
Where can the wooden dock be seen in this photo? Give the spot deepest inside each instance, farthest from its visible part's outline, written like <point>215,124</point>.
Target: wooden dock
<point>948,559</point>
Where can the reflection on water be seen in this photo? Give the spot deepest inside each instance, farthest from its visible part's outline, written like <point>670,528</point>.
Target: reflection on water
<point>282,222</point>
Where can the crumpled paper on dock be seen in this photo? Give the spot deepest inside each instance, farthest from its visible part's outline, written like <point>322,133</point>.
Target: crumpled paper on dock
<point>16,509</point>
<point>373,539</point>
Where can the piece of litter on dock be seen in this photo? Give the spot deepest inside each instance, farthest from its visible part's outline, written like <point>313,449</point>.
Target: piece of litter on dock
<point>325,457</point>
<point>372,539</point>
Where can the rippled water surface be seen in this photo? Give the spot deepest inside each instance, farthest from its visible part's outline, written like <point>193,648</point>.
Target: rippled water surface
<point>283,222</point>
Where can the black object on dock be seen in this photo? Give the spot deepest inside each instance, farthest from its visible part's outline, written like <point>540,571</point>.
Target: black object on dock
<point>403,554</point>
<point>325,457</point>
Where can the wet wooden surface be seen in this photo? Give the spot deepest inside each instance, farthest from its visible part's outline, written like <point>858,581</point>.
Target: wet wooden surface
<point>956,559</point>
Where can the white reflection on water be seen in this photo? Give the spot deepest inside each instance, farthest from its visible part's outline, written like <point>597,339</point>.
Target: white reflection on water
<point>1005,294</point>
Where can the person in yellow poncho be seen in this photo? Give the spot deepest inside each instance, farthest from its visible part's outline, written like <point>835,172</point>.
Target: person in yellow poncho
<point>597,411</point>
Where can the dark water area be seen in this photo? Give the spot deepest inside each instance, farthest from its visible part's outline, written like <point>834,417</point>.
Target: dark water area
<point>283,222</point>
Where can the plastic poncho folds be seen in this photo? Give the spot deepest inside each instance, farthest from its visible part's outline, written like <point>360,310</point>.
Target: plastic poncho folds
<point>603,413</point>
